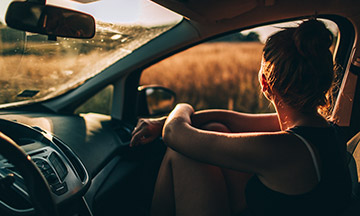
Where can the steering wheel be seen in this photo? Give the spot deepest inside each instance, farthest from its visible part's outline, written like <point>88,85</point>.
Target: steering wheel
<point>36,184</point>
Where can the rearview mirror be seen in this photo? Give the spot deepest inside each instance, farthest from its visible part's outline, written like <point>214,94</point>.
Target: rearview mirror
<point>155,100</point>
<point>49,20</point>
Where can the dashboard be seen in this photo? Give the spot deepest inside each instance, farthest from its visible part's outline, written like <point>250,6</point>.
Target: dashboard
<point>75,154</point>
<point>62,169</point>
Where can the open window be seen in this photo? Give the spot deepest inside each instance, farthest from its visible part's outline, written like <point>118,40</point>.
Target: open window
<point>222,72</point>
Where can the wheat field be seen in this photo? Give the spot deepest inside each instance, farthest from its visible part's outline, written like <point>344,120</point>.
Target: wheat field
<point>210,75</point>
<point>214,75</point>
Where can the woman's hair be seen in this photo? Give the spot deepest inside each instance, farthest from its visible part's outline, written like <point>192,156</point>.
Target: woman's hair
<point>300,66</point>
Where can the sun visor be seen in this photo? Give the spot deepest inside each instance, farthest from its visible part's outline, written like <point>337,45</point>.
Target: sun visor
<point>210,10</point>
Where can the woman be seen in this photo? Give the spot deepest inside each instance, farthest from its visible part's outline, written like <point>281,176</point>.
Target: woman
<point>294,158</point>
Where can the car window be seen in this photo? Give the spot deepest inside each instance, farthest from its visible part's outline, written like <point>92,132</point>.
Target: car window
<point>99,103</point>
<point>34,68</point>
<point>221,73</point>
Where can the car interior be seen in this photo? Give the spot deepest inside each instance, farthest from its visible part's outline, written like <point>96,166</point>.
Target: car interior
<point>60,155</point>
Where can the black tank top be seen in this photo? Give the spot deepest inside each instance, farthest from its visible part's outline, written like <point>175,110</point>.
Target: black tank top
<point>328,198</point>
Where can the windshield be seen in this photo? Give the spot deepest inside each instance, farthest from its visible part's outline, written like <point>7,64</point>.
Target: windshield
<point>33,67</point>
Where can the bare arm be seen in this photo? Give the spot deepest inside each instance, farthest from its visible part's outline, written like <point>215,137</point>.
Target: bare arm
<point>236,121</point>
<point>148,129</point>
<point>231,150</point>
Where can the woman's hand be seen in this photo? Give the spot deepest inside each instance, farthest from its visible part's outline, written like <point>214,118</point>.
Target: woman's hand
<point>147,130</point>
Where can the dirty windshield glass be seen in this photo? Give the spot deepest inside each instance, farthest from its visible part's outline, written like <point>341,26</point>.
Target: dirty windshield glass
<point>33,67</point>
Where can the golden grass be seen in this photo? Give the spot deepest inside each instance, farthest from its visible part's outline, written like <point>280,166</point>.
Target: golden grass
<point>34,74</point>
<point>210,75</point>
<point>48,74</point>
<point>213,75</point>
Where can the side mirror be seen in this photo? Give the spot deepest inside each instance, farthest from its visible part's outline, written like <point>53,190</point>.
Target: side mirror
<point>49,20</point>
<point>155,100</point>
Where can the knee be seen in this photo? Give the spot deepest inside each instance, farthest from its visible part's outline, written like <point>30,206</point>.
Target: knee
<point>175,158</point>
<point>216,126</point>
<point>172,155</point>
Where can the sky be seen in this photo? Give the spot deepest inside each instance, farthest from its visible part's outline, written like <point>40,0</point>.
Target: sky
<point>133,11</point>
<point>141,12</point>
<point>3,6</point>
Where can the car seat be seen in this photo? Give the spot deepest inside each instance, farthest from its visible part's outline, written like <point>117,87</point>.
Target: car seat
<point>353,160</point>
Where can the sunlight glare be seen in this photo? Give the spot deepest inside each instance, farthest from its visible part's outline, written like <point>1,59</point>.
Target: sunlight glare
<point>134,12</point>
<point>4,4</point>
<point>126,12</point>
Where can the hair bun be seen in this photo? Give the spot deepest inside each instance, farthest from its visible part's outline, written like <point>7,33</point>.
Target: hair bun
<point>312,38</point>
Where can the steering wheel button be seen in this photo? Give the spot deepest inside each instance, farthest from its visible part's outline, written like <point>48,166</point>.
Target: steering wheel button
<point>47,172</point>
<point>46,166</point>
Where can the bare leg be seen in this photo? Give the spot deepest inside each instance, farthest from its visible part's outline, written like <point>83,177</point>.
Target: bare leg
<point>163,200</point>
<point>196,189</point>
<point>188,187</point>
<point>236,183</point>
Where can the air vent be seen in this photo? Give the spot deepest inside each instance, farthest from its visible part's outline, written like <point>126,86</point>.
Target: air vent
<point>78,168</point>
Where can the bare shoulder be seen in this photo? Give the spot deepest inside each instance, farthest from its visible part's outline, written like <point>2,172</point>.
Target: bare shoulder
<point>277,139</point>
<point>263,152</point>
<point>279,150</point>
